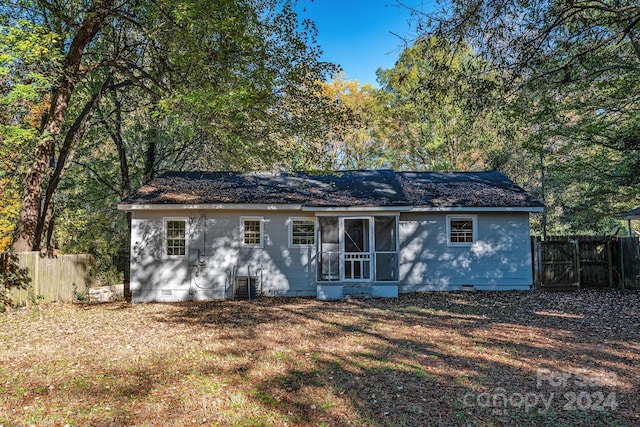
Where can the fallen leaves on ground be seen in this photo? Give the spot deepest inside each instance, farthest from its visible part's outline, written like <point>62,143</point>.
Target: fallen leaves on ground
<point>461,358</point>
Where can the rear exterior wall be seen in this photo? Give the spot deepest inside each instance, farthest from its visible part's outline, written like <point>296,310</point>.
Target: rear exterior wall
<point>221,257</point>
<point>500,257</point>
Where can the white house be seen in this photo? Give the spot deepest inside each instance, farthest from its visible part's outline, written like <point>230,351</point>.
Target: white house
<point>219,235</point>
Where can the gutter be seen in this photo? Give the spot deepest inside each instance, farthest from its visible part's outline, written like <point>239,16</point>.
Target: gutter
<point>299,207</point>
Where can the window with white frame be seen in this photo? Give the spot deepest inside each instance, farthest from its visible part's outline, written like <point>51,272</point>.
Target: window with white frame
<point>302,232</point>
<point>175,237</point>
<point>461,230</point>
<point>252,231</point>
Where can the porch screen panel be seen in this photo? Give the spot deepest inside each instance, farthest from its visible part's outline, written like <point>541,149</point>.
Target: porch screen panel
<point>329,248</point>
<point>385,229</point>
<point>386,248</point>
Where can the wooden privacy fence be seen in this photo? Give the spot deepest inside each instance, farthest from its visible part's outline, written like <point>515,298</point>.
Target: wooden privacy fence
<point>49,277</point>
<point>629,248</point>
<point>573,262</point>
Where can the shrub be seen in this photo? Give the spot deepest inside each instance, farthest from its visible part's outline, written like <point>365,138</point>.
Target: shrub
<point>11,276</point>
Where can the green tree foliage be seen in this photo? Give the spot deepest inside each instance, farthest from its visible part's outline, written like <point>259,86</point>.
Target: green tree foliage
<point>439,121</point>
<point>247,69</point>
<point>28,59</point>
<point>12,276</point>
<point>133,88</point>
<point>100,96</point>
<point>572,69</point>
<point>351,138</point>
<point>64,69</point>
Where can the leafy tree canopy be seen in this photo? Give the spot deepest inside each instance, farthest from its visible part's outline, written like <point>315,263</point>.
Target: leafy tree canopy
<point>439,93</point>
<point>570,70</point>
<point>172,84</point>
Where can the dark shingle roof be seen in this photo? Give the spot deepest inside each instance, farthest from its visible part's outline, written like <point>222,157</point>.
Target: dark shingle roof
<point>377,188</point>
<point>632,214</point>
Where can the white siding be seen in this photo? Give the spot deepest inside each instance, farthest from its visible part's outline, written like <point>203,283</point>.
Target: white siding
<point>216,235</point>
<point>500,258</point>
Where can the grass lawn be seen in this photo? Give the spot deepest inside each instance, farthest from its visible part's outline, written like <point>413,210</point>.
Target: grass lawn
<point>485,359</point>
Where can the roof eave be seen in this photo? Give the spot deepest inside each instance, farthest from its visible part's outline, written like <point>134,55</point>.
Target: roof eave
<point>629,215</point>
<point>207,206</point>
<point>129,207</point>
<point>356,208</point>
<point>530,209</point>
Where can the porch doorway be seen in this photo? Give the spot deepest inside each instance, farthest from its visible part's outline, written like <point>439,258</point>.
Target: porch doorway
<point>357,249</point>
<point>356,260</point>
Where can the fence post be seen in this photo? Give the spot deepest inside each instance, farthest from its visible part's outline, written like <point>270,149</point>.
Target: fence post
<point>637,257</point>
<point>538,265</point>
<point>623,274</point>
<point>576,247</point>
<point>610,262</point>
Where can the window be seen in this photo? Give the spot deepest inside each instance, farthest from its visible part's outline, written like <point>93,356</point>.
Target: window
<point>251,231</point>
<point>302,232</point>
<point>176,237</point>
<point>461,230</point>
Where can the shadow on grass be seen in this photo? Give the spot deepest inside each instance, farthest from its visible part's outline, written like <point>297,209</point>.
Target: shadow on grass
<point>423,359</point>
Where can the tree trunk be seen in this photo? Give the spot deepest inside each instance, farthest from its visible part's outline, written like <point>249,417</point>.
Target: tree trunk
<point>115,134</point>
<point>67,152</point>
<point>125,179</point>
<point>543,191</point>
<point>150,156</point>
<point>50,243</point>
<point>31,213</point>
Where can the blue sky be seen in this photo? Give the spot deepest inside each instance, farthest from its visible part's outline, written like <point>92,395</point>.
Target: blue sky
<point>359,34</point>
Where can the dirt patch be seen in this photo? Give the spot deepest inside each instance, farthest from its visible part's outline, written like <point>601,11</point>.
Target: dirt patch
<point>485,358</point>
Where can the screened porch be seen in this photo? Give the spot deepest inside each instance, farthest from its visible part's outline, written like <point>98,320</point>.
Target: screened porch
<point>360,249</point>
